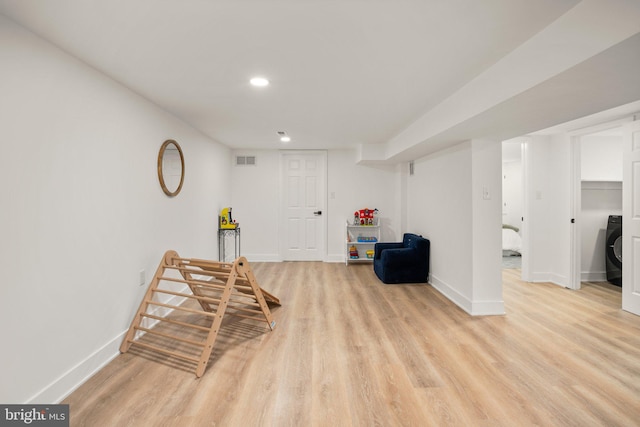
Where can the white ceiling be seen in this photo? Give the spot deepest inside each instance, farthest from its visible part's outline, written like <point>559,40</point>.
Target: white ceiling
<point>342,72</point>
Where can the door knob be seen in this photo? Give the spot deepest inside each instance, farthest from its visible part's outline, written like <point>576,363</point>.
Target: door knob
<point>317,213</point>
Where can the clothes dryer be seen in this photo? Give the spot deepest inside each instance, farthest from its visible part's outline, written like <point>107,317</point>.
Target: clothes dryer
<point>613,255</point>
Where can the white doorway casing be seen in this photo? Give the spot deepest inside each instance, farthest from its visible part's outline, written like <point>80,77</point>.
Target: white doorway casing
<point>584,179</point>
<point>576,203</point>
<point>303,216</point>
<point>525,269</point>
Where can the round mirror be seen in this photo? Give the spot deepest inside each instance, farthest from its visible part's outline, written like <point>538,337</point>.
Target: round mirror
<point>171,167</point>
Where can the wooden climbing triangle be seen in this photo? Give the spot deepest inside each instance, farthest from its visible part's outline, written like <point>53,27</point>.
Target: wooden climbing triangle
<point>219,288</point>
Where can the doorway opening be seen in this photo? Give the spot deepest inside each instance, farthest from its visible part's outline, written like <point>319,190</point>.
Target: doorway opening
<point>512,204</point>
<point>598,159</point>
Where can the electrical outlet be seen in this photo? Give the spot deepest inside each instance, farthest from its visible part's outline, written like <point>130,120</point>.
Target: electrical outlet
<point>142,278</point>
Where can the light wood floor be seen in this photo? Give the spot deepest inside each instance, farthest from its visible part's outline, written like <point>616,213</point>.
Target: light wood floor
<point>350,351</point>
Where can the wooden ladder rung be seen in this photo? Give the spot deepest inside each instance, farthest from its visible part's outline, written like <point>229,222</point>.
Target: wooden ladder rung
<point>249,303</point>
<point>173,337</point>
<point>194,282</point>
<point>243,282</point>
<point>222,285</point>
<point>162,350</point>
<point>218,274</point>
<point>207,284</point>
<point>204,262</point>
<point>179,307</point>
<point>179,294</point>
<point>244,316</point>
<point>176,322</point>
<point>191,270</point>
<point>246,310</point>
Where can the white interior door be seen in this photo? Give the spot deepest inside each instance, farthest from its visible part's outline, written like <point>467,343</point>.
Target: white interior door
<point>303,200</point>
<point>631,219</point>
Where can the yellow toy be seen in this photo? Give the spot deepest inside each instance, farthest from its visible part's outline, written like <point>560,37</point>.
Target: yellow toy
<point>225,221</point>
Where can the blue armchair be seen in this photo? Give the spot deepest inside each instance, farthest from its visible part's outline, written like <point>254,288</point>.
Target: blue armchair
<point>403,262</point>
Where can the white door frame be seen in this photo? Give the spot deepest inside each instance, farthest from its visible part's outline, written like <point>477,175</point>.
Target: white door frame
<point>575,248</point>
<point>525,267</point>
<point>281,201</point>
<point>575,209</point>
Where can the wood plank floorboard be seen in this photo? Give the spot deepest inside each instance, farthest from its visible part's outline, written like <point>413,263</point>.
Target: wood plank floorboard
<point>348,350</point>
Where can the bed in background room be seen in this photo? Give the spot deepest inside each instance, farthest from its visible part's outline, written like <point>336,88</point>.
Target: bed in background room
<point>511,241</point>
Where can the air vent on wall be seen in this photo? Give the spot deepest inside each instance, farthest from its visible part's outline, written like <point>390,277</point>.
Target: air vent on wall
<point>245,160</point>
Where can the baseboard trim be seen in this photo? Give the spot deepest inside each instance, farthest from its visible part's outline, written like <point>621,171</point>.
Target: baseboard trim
<point>556,279</point>
<point>474,308</point>
<point>488,308</point>
<point>539,277</point>
<point>276,258</point>
<point>68,382</point>
<point>559,280</point>
<point>593,276</point>
<point>454,296</point>
<point>263,257</point>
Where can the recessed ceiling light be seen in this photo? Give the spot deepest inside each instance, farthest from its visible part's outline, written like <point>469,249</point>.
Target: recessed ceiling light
<point>283,136</point>
<point>259,82</point>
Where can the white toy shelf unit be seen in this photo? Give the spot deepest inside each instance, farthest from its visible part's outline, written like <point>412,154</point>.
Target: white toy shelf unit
<point>361,235</point>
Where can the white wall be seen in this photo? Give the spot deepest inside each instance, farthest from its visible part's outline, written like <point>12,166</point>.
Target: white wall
<point>83,213</point>
<point>601,157</point>
<point>445,203</point>
<point>438,207</point>
<point>352,187</point>
<point>255,200</point>
<point>487,227</point>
